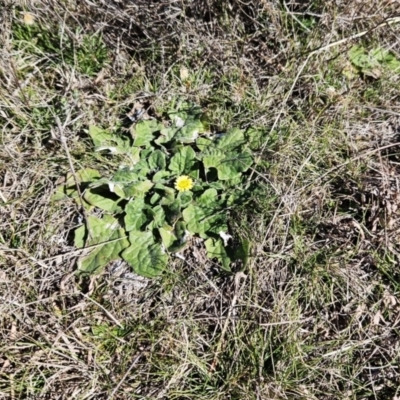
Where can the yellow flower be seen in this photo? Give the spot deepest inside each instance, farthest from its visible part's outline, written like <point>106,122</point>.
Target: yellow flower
<point>29,19</point>
<point>183,183</point>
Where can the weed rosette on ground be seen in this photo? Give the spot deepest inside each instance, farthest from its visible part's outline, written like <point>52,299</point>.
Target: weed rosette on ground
<point>177,180</point>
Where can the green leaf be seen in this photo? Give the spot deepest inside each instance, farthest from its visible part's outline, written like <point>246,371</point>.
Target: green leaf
<point>134,153</point>
<point>234,182</point>
<point>167,236</point>
<point>84,177</point>
<point>200,220</point>
<point>204,143</point>
<point>141,168</point>
<point>231,140</point>
<point>255,138</point>
<point>183,161</point>
<point>185,110</point>
<point>180,230</point>
<point>99,136</point>
<point>167,193</point>
<point>122,178</point>
<point>216,249</point>
<point>117,189</point>
<point>144,132</point>
<point>166,135</point>
<point>167,199</point>
<point>359,57</point>
<point>139,188</point>
<point>135,216</point>
<point>228,165</point>
<point>379,54</point>
<point>110,239</point>
<point>104,140</point>
<point>386,58</point>
<point>125,175</point>
<point>145,256</point>
<point>234,164</point>
<point>158,215</point>
<point>185,198</point>
<point>208,198</point>
<point>235,198</point>
<point>189,132</point>
<point>157,161</point>
<point>212,158</point>
<point>218,185</point>
<point>96,197</point>
<point>155,198</point>
<point>173,211</point>
<point>177,246</point>
<point>160,176</point>
<point>193,216</point>
<point>88,175</point>
<point>80,234</point>
<point>393,63</point>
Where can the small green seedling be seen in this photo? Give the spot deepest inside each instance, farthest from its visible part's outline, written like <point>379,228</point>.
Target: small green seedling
<point>373,62</point>
<point>178,181</point>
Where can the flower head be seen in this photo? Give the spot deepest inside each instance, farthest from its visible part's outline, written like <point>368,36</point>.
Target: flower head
<point>183,183</point>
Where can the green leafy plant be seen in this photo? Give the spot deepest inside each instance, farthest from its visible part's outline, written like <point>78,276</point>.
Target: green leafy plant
<point>178,181</point>
<point>371,63</point>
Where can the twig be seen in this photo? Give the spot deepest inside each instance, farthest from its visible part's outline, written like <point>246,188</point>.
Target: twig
<point>105,310</point>
<point>286,322</point>
<point>294,17</point>
<point>113,393</point>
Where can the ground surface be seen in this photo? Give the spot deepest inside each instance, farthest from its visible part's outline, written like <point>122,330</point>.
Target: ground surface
<point>315,314</point>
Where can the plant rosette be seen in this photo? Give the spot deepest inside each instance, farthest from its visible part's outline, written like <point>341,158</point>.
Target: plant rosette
<point>176,182</point>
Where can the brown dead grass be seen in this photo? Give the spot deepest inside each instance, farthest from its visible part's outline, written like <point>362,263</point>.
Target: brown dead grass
<point>316,316</point>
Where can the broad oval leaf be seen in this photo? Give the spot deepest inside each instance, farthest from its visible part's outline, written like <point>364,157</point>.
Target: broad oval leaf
<point>193,216</point>
<point>68,189</point>
<point>138,188</point>
<point>183,161</point>
<point>189,132</point>
<point>166,135</point>
<point>212,158</point>
<point>104,140</point>
<point>160,176</point>
<point>158,215</point>
<point>204,143</point>
<point>144,132</point>
<point>97,197</point>
<point>231,140</point>
<point>99,136</point>
<point>135,216</point>
<point>110,239</point>
<point>208,198</point>
<point>234,164</point>
<point>125,175</point>
<point>167,236</point>
<point>185,198</point>
<point>145,256</point>
<point>157,161</point>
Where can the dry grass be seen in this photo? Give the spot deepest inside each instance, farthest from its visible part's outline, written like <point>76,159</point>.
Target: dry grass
<point>315,315</point>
